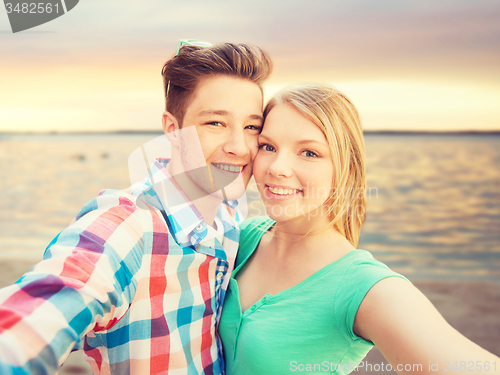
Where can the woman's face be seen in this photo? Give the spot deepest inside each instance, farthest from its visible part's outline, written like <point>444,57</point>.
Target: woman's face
<point>293,168</point>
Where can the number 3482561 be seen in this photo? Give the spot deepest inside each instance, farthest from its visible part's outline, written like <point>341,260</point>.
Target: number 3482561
<point>32,8</point>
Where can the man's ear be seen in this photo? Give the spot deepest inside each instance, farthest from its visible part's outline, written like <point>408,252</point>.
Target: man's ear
<point>170,125</point>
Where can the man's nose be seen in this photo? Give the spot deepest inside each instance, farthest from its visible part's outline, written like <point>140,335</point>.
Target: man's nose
<point>238,143</point>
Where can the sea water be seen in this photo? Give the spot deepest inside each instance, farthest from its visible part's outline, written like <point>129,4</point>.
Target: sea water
<point>433,207</point>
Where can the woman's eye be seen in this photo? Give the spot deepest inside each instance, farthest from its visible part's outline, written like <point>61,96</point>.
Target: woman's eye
<point>309,154</point>
<point>266,147</point>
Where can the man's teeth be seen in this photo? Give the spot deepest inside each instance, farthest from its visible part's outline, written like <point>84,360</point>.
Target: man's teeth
<point>230,168</point>
<point>282,191</point>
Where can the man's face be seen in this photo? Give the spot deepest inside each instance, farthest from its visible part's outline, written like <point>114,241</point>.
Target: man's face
<point>227,115</point>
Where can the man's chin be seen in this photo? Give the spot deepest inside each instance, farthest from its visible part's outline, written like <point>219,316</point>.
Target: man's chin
<point>228,194</point>
<point>233,191</point>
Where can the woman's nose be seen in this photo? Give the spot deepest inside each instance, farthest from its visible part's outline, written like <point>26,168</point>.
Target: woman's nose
<point>281,166</point>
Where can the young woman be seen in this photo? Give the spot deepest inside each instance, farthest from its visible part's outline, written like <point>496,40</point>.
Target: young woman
<point>302,297</point>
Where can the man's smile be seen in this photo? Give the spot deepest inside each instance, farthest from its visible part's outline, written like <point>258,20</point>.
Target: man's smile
<point>229,167</point>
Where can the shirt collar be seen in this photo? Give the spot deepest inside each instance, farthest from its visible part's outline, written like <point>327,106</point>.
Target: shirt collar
<point>186,224</point>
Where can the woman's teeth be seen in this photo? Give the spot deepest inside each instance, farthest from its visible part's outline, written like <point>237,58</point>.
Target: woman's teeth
<point>228,167</point>
<point>282,191</point>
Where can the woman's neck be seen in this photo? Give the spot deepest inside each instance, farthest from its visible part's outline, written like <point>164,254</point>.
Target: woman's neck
<point>306,235</point>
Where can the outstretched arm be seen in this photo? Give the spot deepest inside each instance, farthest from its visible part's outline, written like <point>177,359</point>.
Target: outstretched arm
<point>83,284</point>
<point>414,337</point>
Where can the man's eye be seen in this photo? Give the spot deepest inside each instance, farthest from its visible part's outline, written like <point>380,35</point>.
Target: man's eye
<point>309,154</point>
<point>266,147</point>
<point>215,123</point>
<point>253,127</point>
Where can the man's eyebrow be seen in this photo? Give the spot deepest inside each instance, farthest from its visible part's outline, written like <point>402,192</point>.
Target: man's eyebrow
<point>257,117</point>
<point>211,112</point>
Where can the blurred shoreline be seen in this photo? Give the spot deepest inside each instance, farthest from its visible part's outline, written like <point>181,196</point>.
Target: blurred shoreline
<point>365,132</point>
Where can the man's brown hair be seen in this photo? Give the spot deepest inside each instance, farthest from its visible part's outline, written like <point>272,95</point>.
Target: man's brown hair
<point>182,73</point>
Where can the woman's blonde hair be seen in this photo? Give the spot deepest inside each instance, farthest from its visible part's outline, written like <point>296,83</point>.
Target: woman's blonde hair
<point>332,112</point>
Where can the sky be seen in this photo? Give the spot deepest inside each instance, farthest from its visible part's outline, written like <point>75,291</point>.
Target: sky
<point>406,65</point>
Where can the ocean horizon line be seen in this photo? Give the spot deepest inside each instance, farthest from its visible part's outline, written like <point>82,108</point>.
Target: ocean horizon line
<point>159,132</point>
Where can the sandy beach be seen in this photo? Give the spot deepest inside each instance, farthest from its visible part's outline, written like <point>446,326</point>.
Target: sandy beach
<point>469,306</point>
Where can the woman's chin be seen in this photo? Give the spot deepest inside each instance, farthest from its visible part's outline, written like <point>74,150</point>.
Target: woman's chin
<point>273,213</point>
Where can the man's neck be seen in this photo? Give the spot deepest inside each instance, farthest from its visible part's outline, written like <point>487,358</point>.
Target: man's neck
<point>207,205</point>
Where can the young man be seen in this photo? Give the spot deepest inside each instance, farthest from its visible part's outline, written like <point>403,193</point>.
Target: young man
<point>138,280</point>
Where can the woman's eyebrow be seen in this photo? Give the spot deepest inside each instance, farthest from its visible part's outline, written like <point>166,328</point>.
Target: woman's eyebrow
<point>300,142</point>
<point>264,136</point>
<point>310,141</point>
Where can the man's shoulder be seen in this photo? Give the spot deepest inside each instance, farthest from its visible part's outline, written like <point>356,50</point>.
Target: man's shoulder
<point>114,219</point>
<point>130,200</point>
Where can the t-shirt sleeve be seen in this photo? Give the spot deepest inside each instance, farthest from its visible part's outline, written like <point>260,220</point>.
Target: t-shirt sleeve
<point>358,279</point>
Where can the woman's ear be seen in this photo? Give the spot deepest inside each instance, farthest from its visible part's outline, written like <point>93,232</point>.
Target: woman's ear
<point>170,125</point>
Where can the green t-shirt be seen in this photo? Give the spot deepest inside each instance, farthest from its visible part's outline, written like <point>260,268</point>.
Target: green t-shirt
<point>306,328</point>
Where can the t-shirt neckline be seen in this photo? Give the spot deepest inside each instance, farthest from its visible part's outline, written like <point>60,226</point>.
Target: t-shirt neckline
<point>307,281</point>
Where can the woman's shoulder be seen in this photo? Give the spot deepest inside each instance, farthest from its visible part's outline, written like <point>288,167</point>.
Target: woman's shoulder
<point>362,257</point>
<point>363,263</point>
<point>251,232</point>
<point>253,228</point>
<point>359,272</point>
<point>256,222</point>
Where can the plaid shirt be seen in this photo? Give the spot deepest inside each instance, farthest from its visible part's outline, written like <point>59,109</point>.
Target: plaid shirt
<point>137,281</point>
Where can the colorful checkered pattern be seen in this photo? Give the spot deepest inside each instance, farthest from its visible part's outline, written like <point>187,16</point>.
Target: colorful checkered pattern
<point>137,283</point>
